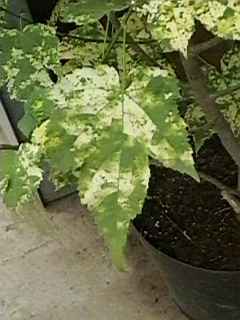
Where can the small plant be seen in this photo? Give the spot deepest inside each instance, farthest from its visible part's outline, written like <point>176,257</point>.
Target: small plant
<point>115,106</point>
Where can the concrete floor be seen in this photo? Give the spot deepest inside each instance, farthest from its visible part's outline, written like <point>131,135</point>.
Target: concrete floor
<point>68,275</point>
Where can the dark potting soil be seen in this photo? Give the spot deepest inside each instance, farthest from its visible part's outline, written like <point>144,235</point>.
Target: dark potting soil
<point>190,221</point>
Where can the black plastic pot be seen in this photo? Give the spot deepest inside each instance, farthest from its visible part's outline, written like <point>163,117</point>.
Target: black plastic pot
<point>200,293</point>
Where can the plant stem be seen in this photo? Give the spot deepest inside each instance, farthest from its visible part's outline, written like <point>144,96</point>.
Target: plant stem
<point>219,184</point>
<point>198,82</point>
<point>227,91</point>
<point>118,30</point>
<point>8,147</point>
<point>230,195</point>
<point>234,202</point>
<point>135,45</point>
<point>100,40</point>
<point>238,182</point>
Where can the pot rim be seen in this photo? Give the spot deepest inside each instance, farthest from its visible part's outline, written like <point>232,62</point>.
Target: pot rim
<point>184,264</point>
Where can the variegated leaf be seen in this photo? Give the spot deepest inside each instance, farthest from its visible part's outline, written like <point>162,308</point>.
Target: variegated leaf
<point>198,126</point>
<point>20,174</point>
<point>92,100</point>
<point>220,17</point>
<point>109,128</point>
<point>229,77</point>
<point>25,58</point>
<point>113,183</point>
<point>157,93</point>
<point>172,22</point>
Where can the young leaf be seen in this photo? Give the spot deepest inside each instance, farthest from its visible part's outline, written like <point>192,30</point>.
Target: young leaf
<point>198,126</point>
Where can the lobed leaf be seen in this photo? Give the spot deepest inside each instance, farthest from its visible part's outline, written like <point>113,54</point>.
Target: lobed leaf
<point>111,134</point>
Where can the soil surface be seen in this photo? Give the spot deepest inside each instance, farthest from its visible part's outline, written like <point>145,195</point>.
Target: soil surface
<point>190,221</point>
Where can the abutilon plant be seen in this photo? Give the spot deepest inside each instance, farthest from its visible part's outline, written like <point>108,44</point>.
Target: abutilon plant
<point>114,107</point>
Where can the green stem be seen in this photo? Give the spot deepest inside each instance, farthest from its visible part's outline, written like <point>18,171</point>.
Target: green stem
<point>135,45</point>
<point>99,40</point>
<point>106,34</point>
<point>116,35</point>
<point>227,91</point>
<point>218,184</point>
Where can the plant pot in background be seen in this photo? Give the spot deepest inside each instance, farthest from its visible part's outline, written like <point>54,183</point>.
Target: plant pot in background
<point>200,293</point>
<point>41,10</point>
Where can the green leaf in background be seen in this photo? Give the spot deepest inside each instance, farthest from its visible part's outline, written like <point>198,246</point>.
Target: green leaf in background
<point>220,17</point>
<point>198,126</point>
<point>3,15</point>
<point>25,58</point>
<point>87,11</point>
<point>228,77</point>
<point>172,22</point>
<point>27,124</point>
<point>79,53</point>
<point>20,174</point>
<point>58,147</point>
